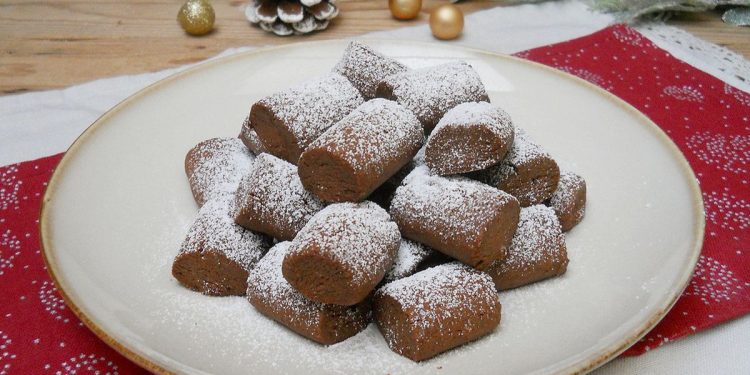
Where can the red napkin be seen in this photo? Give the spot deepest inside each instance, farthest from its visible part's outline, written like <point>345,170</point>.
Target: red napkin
<point>708,119</point>
<point>38,332</point>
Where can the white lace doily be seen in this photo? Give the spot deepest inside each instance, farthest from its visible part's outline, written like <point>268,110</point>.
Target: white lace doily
<point>713,59</point>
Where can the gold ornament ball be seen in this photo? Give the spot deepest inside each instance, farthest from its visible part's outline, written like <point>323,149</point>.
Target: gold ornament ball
<point>196,17</point>
<point>446,22</point>
<point>405,9</point>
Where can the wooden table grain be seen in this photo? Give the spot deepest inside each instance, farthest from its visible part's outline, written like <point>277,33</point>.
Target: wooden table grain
<point>53,44</point>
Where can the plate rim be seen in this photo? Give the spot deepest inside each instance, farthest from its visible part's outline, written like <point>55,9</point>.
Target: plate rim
<point>585,365</point>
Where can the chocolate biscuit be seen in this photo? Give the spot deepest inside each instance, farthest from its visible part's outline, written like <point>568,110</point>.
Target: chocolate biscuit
<point>537,252</point>
<point>342,253</point>
<point>217,254</point>
<point>383,195</point>
<point>250,138</point>
<point>272,200</point>
<point>288,121</point>
<point>470,137</point>
<point>462,218</point>
<point>275,298</point>
<point>365,68</point>
<point>569,200</point>
<point>358,154</point>
<point>431,92</point>
<point>411,258</point>
<point>215,166</point>
<point>528,172</point>
<point>436,310</point>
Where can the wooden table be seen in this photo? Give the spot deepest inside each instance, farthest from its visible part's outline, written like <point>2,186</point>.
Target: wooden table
<point>53,44</point>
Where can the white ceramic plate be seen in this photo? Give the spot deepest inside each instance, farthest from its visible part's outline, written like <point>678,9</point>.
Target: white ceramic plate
<point>119,204</point>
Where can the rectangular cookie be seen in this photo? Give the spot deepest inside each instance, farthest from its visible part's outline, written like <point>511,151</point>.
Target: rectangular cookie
<point>436,310</point>
<point>431,92</point>
<point>288,121</point>
<point>537,251</point>
<point>217,254</point>
<point>462,218</point>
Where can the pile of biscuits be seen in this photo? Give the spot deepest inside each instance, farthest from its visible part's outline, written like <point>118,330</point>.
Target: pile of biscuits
<point>378,192</point>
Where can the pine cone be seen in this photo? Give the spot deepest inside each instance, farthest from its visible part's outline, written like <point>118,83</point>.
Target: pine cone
<point>287,17</point>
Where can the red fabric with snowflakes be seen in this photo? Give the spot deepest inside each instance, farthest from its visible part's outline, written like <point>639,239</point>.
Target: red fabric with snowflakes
<point>708,119</point>
<point>38,333</point>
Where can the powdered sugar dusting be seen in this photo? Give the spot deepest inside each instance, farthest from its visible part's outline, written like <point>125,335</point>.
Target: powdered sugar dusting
<point>438,201</point>
<point>538,237</point>
<point>419,158</point>
<point>473,113</point>
<point>282,201</point>
<point>218,166</point>
<point>462,152</point>
<point>410,255</point>
<point>250,138</point>
<point>365,68</point>
<point>564,198</point>
<point>430,92</point>
<point>214,229</point>
<point>358,235</point>
<point>384,132</point>
<point>523,149</point>
<point>270,293</point>
<point>522,153</point>
<point>310,108</point>
<point>268,283</point>
<point>441,293</point>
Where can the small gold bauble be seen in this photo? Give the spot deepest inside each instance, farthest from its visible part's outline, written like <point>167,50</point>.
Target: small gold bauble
<point>196,17</point>
<point>446,22</point>
<point>405,9</point>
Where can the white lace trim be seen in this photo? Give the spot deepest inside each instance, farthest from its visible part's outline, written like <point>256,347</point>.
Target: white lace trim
<point>713,59</point>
